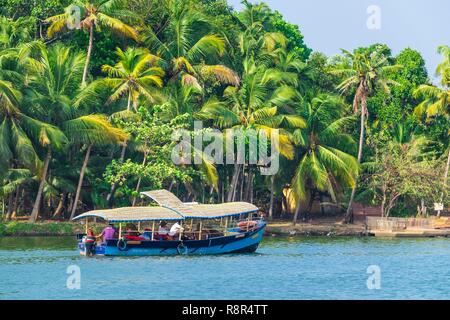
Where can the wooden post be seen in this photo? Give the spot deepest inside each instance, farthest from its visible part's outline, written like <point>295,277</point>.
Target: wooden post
<point>226,226</point>
<point>120,230</point>
<point>220,221</point>
<point>249,219</point>
<point>200,231</point>
<point>139,226</point>
<point>153,230</point>
<point>86,227</point>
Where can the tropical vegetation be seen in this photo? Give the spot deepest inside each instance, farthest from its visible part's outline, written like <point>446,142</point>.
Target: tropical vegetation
<point>92,92</point>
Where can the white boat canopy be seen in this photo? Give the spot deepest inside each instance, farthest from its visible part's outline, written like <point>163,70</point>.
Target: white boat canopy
<point>222,210</point>
<point>171,208</point>
<point>132,214</point>
<point>199,211</point>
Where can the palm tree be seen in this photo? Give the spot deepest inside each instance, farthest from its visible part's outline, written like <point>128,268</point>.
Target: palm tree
<point>13,180</point>
<point>135,75</point>
<point>443,69</point>
<point>54,89</point>
<point>22,135</point>
<point>96,14</point>
<point>364,72</point>
<point>13,32</point>
<point>91,130</point>
<point>325,163</point>
<point>258,104</point>
<point>186,52</point>
<point>436,100</point>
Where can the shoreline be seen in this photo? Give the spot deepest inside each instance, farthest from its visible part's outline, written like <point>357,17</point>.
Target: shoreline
<point>273,229</point>
<point>331,229</point>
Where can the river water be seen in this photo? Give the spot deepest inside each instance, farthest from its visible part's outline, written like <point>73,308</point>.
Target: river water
<point>282,268</point>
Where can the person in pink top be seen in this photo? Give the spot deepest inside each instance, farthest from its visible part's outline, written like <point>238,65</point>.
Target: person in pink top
<point>108,233</point>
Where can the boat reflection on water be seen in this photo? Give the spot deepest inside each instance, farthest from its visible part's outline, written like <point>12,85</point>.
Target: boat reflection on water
<point>202,228</point>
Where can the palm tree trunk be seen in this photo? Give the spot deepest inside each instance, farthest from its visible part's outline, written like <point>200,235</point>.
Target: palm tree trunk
<point>110,196</point>
<point>360,148</point>
<point>138,185</point>
<point>3,207</point>
<point>80,181</point>
<point>248,189</point>
<point>231,191</point>
<point>60,206</point>
<point>88,56</point>
<point>37,202</point>
<point>129,101</point>
<point>241,190</point>
<point>445,180</point>
<point>297,212</point>
<point>272,187</point>
<point>10,207</point>
<point>16,203</point>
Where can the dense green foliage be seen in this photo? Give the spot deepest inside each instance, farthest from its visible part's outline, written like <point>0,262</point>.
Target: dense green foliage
<point>88,113</point>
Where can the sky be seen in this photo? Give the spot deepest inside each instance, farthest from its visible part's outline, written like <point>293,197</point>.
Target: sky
<point>329,25</point>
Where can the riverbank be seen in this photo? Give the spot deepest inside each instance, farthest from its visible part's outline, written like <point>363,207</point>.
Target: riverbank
<point>46,228</point>
<point>275,228</point>
<point>322,227</point>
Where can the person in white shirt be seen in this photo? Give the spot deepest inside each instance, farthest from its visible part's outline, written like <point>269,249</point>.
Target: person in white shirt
<point>175,229</point>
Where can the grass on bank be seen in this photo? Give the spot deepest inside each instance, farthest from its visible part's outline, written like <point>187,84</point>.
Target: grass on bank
<point>50,228</point>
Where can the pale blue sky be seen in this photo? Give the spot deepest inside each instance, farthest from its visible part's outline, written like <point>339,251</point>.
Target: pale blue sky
<point>329,25</point>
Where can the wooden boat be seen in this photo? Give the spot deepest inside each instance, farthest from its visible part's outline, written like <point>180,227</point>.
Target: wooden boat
<point>221,228</point>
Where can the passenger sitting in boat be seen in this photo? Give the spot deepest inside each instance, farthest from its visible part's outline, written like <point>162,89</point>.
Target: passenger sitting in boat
<point>147,234</point>
<point>107,233</point>
<point>175,230</point>
<point>163,232</point>
<point>132,230</point>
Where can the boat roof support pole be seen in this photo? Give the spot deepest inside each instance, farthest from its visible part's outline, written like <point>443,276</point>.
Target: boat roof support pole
<point>226,226</point>
<point>86,226</point>
<point>153,230</point>
<point>200,231</point>
<point>120,230</point>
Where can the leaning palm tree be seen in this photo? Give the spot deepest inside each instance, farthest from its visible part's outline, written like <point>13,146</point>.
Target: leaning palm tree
<point>436,100</point>
<point>91,130</point>
<point>185,51</point>
<point>364,72</point>
<point>95,14</point>
<point>325,163</point>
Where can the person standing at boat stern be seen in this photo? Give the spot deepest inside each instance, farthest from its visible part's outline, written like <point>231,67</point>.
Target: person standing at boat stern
<point>108,233</point>
<point>89,242</point>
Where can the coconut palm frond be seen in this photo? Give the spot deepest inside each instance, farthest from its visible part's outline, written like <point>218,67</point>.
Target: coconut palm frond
<point>93,129</point>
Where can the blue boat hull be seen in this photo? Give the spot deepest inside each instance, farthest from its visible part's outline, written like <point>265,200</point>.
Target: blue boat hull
<point>236,243</point>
